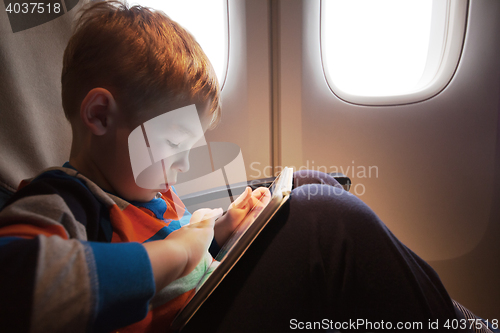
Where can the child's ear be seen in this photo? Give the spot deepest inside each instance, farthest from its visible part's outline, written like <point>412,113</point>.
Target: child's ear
<point>98,110</point>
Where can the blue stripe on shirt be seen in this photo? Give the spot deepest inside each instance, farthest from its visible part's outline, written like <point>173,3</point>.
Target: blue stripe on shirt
<point>125,283</point>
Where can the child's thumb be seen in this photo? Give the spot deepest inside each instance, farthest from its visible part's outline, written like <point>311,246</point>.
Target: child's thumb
<point>241,201</point>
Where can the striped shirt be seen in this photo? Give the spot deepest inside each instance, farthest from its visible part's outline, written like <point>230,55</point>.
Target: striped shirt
<point>72,258</point>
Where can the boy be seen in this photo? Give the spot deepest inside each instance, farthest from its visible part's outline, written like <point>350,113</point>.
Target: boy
<point>70,240</point>
<point>70,237</point>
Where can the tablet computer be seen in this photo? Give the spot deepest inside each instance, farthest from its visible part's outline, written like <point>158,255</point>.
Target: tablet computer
<point>235,247</point>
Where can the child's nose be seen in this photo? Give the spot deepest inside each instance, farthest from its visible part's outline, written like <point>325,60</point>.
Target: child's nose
<point>182,164</point>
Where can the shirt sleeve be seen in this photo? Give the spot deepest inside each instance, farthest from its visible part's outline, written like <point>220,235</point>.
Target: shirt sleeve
<point>53,278</point>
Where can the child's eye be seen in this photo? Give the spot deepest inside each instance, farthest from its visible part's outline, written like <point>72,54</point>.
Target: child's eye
<point>172,144</point>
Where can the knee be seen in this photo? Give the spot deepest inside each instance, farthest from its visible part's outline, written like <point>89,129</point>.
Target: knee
<point>329,203</point>
<point>317,192</point>
<point>321,198</point>
<point>304,177</point>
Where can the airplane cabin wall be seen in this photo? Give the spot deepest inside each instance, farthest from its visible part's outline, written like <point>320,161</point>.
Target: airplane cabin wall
<point>433,162</point>
<point>430,170</point>
<point>246,94</point>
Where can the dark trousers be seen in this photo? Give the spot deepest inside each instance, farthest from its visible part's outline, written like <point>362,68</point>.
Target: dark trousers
<point>326,262</point>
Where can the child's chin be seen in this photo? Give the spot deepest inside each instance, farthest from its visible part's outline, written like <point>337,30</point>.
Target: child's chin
<point>143,195</point>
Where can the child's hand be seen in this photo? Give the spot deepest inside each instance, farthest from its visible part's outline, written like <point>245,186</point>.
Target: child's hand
<point>239,209</point>
<point>182,250</point>
<point>196,236</point>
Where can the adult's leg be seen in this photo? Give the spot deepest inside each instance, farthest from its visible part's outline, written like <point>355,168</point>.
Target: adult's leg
<point>304,177</point>
<point>326,256</point>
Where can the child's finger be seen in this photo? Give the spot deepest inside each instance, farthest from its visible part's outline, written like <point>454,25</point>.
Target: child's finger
<point>213,215</point>
<point>205,218</point>
<point>197,216</point>
<point>261,192</point>
<point>262,195</point>
<point>205,214</point>
<point>242,200</point>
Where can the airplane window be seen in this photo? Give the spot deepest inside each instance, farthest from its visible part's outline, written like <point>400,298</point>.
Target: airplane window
<point>206,20</point>
<point>385,52</point>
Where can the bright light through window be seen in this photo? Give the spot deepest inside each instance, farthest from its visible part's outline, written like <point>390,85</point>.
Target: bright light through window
<point>376,47</point>
<point>206,20</point>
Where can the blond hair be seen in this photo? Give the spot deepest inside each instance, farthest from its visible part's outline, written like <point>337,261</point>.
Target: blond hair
<point>140,55</point>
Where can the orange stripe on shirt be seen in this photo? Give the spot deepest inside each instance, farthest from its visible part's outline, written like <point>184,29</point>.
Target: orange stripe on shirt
<point>132,224</point>
<point>175,206</point>
<point>31,231</point>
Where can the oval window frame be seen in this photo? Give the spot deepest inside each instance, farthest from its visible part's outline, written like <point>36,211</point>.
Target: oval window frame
<point>439,70</point>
